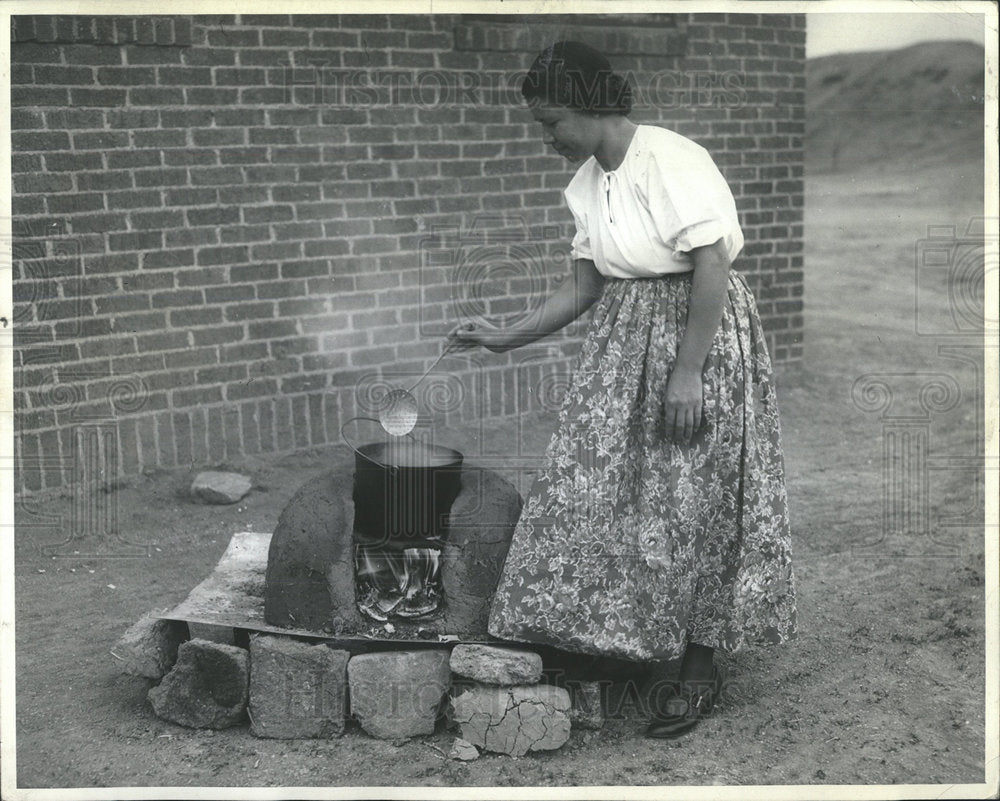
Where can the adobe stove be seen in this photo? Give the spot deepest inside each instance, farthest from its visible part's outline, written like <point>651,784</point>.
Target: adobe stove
<point>409,535</point>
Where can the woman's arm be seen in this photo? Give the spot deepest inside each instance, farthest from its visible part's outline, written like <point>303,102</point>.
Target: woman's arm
<point>571,299</point>
<point>683,403</point>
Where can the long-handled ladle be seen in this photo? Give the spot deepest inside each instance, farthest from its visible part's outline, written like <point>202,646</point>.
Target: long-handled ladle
<point>398,412</point>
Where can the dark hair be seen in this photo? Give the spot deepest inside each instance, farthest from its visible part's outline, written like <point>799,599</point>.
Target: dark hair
<point>577,76</point>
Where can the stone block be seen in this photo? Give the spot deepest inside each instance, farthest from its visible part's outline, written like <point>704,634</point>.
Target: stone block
<point>587,709</point>
<point>398,693</point>
<point>491,665</point>
<point>213,486</point>
<point>207,687</point>
<point>296,689</point>
<point>149,646</point>
<point>513,720</point>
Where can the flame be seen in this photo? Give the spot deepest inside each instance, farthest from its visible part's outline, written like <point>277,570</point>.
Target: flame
<point>405,582</point>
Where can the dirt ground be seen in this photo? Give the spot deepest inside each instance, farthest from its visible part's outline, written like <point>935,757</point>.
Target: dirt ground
<point>885,684</point>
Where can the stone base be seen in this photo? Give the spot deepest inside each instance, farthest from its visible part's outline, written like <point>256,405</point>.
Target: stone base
<point>290,688</point>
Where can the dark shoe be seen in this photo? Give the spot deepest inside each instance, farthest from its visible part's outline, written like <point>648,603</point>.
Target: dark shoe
<point>694,702</point>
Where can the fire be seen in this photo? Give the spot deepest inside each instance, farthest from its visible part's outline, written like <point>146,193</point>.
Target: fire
<point>400,583</point>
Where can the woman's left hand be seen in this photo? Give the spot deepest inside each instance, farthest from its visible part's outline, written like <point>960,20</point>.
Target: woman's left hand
<point>682,407</point>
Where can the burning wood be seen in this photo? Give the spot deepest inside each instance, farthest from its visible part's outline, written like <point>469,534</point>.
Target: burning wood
<point>399,583</point>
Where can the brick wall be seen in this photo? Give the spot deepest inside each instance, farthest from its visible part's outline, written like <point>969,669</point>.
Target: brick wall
<point>231,232</point>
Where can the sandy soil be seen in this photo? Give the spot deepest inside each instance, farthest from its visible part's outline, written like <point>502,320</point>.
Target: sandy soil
<point>884,685</point>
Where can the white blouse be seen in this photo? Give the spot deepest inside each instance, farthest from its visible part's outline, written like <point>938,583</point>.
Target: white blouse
<point>640,220</point>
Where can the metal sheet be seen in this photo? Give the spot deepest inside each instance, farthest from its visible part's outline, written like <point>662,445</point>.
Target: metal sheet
<point>233,596</point>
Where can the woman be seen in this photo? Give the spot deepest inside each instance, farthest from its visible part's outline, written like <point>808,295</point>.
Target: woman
<point>658,529</point>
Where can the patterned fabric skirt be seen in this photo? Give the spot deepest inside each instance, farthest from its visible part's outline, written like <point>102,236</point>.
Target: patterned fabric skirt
<point>632,545</point>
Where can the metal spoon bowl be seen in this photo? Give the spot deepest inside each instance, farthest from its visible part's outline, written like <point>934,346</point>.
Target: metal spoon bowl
<point>398,412</point>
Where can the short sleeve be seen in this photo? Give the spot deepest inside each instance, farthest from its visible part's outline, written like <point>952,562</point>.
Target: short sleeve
<point>690,202</point>
<point>580,247</point>
<point>700,234</point>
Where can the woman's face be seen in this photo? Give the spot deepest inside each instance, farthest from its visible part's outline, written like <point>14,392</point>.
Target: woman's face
<point>574,135</point>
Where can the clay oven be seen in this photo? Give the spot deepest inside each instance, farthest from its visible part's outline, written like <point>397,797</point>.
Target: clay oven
<point>331,569</point>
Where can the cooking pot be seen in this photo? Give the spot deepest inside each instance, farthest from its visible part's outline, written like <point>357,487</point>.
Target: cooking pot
<point>403,491</point>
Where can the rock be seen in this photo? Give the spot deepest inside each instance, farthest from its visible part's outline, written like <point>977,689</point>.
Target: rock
<point>212,486</point>
<point>491,665</point>
<point>463,750</point>
<point>207,687</point>
<point>587,711</point>
<point>398,693</point>
<point>149,646</point>
<point>296,689</point>
<point>310,561</point>
<point>480,528</point>
<point>513,720</point>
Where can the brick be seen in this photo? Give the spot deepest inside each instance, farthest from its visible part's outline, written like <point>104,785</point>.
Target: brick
<point>194,357</point>
<point>254,388</point>
<point>191,197</point>
<point>248,311</point>
<point>211,97</point>
<point>244,352</point>
<point>233,38</point>
<point>110,98</point>
<point>221,374</point>
<point>191,236</point>
<point>33,53</point>
<point>214,176</point>
<point>163,340</point>
<point>239,76</point>
<point>86,181</point>
<point>160,138</point>
<point>260,58</point>
<point>35,96</point>
<point>216,336</point>
<point>126,76</point>
<point>25,119</point>
<point>133,200</point>
<point>113,263</point>
<point>134,158</point>
<point>122,303</point>
<point>222,255</point>
<point>280,38</point>
<point>73,162</point>
<point>64,76</point>
<point>211,57</point>
<point>42,183</point>
<point>221,294</point>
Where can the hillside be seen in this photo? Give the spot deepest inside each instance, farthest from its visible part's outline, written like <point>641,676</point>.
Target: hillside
<point>921,105</point>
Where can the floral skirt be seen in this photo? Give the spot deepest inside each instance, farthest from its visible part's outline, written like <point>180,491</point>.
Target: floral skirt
<point>630,544</point>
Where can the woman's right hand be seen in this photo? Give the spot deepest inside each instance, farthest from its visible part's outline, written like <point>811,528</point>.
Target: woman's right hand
<point>470,334</point>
